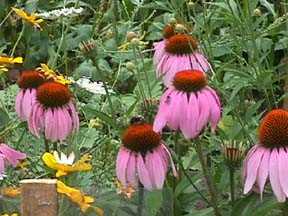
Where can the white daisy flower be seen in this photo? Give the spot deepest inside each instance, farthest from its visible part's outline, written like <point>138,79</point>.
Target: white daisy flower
<point>64,12</point>
<point>64,159</point>
<point>93,87</point>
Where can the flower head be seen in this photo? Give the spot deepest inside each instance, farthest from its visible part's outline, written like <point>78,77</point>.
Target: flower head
<point>75,196</point>
<point>28,81</point>
<point>269,158</point>
<point>142,157</point>
<point>10,60</point>
<point>126,191</point>
<point>181,44</point>
<point>189,105</point>
<point>10,192</point>
<point>169,31</point>
<point>63,12</point>
<point>32,19</point>
<point>64,165</point>
<point>233,152</point>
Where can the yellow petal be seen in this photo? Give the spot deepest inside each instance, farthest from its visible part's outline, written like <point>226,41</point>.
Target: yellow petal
<point>10,60</point>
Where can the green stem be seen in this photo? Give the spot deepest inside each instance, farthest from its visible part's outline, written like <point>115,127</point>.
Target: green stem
<point>105,87</point>
<point>46,143</point>
<point>18,40</point>
<point>5,18</point>
<point>232,184</point>
<point>140,200</point>
<point>284,208</point>
<point>208,179</point>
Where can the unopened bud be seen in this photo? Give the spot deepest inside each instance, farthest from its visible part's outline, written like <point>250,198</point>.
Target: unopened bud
<point>257,12</point>
<point>173,21</point>
<point>130,66</point>
<point>191,4</point>
<point>131,35</point>
<point>135,41</point>
<point>180,28</point>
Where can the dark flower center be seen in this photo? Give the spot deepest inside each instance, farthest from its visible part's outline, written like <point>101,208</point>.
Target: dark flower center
<point>140,138</point>
<point>181,44</point>
<point>273,131</point>
<point>190,80</point>
<point>53,94</point>
<point>30,79</point>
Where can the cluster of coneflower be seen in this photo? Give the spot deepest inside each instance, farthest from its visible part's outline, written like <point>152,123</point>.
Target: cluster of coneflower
<point>188,105</point>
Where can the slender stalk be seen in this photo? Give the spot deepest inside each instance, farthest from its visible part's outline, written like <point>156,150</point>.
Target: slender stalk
<point>105,87</point>
<point>115,18</point>
<point>232,184</point>
<point>140,200</point>
<point>5,18</point>
<point>208,179</point>
<point>46,143</point>
<point>18,40</point>
<point>284,208</point>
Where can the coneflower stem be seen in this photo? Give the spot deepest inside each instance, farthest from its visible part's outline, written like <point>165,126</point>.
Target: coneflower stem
<point>18,40</point>
<point>140,199</point>
<point>208,178</point>
<point>232,184</point>
<point>46,143</point>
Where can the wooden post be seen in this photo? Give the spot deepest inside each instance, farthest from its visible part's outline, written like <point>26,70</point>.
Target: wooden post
<point>39,197</point>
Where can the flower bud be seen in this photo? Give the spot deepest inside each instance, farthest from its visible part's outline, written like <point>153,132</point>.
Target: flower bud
<point>130,66</point>
<point>130,36</point>
<point>180,28</point>
<point>257,12</point>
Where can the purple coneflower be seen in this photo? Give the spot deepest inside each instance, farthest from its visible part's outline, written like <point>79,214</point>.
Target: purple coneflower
<point>188,105</point>
<point>268,159</point>
<point>9,156</point>
<point>53,112</point>
<point>28,82</point>
<point>143,158</point>
<point>175,53</point>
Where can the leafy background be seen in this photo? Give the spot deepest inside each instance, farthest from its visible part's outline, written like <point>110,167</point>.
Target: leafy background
<point>246,42</point>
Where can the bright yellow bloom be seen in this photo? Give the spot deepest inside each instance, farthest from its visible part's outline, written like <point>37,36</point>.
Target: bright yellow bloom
<point>11,192</point>
<point>78,197</point>
<point>32,19</point>
<point>127,192</point>
<point>50,74</point>
<point>13,214</point>
<point>10,60</point>
<point>64,169</point>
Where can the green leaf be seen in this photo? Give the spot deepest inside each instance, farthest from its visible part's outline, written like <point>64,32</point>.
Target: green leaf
<point>153,202</point>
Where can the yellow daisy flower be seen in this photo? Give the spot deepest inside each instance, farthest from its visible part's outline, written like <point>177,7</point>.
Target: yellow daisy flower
<point>50,74</point>
<point>78,197</point>
<point>65,167</point>
<point>13,214</point>
<point>4,60</point>
<point>32,18</point>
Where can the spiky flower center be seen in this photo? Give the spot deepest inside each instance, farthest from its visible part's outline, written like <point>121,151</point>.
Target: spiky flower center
<point>169,31</point>
<point>30,79</point>
<point>53,94</point>
<point>190,80</point>
<point>273,131</point>
<point>181,44</point>
<point>140,138</point>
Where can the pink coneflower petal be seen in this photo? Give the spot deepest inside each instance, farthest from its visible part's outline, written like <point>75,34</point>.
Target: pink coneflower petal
<point>188,128</point>
<point>177,102</point>
<point>27,102</point>
<point>49,123</point>
<point>263,171</point>
<point>121,165</point>
<point>215,111</point>
<point>283,169</point>
<point>18,104</point>
<point>2,165</point>
<point>174,170</point>
<point>252,169</point>
<point>274,176</point>
<point>199,62</point>
<point>143,173</point>
<point>164,109</point>
<point>75,117</point>
<point>11,155</point>
<point>248,156</point>
<point>156,169</point>
<point>131,170</point>
<point>204,112</point>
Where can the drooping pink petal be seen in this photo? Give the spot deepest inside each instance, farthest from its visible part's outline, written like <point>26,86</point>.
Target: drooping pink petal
<point>27,102</point>
<point>204,111</point>
<point>200,62</point>
<point>177,105</point>
<point>252,168</point>
<point>18,105</point>
<point>75,118</point>
<point>131,170</point>
<point>215,110</point>
<point>143,173</point>
<point>244,169</point>
<point>35,121</point>
<point>157,171</point>
<point>274,176</point>
<point>2,165</point>
<point>49,123</point>
<point>174,170</point>
<point>189,126</point>
<point>68,121</point>
<point>121,165</point>
<point>11,154</point>
<point>263,171</point>
<point>163,111</point>
<point>283,169</point>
